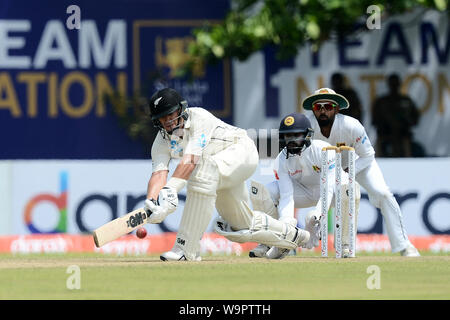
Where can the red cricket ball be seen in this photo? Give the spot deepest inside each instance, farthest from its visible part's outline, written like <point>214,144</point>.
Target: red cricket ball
<point>141,233</point>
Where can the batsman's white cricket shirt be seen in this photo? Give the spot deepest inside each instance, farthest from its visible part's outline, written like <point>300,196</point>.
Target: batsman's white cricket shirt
<point>201,130</point>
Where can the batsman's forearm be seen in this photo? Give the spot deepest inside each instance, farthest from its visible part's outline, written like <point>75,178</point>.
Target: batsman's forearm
<point>155,184</point>
<point>185,167</point>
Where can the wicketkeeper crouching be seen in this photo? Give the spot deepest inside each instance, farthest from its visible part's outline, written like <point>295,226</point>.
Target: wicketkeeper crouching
<point>215,161</point>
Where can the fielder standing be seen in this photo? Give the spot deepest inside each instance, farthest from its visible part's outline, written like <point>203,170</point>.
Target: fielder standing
<point>297,184</point>
<point>215,161</point>
<point>338,130</point>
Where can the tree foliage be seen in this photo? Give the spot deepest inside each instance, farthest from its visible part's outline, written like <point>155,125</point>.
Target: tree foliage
<point>287,25</point>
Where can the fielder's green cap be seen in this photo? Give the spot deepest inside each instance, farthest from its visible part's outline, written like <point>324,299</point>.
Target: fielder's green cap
<point>325,94</point>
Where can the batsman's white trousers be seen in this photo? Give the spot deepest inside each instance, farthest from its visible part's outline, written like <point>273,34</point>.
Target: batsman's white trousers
<point>218,180</point>
<point>236,164</point>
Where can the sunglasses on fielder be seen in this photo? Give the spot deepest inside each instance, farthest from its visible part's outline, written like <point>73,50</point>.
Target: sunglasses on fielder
<point>328,105</point>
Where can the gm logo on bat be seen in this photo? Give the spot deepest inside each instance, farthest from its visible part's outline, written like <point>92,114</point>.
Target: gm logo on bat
<point>137,219</point>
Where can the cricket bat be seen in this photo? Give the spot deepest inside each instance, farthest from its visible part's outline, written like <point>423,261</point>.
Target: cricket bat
<point>120,226</point>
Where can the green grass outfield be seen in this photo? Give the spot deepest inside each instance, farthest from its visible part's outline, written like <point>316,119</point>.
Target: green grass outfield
<point>304,276</point>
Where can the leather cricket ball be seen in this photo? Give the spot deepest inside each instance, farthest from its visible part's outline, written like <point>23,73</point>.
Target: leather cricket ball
<point>141,233</point>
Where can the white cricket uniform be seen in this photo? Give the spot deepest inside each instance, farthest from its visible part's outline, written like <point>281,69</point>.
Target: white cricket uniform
<point>297,183</point>
<point>228,157</point>
<point>350,132</point>
<point>203,134</point>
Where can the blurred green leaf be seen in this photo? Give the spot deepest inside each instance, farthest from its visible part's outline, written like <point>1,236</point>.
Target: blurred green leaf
<point>287,25</point>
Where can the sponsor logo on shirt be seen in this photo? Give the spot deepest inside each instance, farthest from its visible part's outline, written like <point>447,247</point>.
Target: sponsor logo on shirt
<point>316,169</point>
<point>276,174</point>
<point>175,147</point>
<point>295,172</point>
<point>202,141</point>
<point>362,139</point>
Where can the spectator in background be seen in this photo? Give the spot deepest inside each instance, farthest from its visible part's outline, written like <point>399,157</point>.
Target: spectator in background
<point>393,116</point>
<point>339,86</point>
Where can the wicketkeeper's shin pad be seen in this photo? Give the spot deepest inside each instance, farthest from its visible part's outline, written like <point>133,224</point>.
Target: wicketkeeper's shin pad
<point>264,229</point>
<point>345,209</point>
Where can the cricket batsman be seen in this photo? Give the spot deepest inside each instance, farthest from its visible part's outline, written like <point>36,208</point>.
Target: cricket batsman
<point>215,161</point>
<point>338,130</point>
<point>297,185</point>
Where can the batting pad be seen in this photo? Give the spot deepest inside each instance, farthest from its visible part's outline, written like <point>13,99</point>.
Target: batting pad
<point>262,200</point>
<point>264,229</point>
<point>198,208</point>
<point>198,212</point>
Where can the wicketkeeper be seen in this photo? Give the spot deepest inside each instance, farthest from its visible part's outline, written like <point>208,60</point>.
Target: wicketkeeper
<point>215,161</point>
<point>297,185</point>
<point>338,130</point>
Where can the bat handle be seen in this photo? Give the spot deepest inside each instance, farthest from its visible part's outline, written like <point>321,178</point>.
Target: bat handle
<point>96,240</point>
